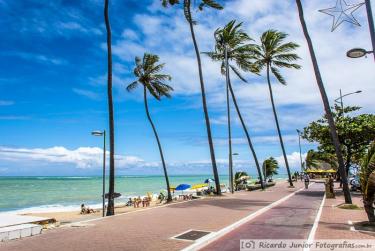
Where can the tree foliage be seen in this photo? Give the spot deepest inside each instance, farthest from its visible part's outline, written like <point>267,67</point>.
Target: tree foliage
<point>275,54</point>
<point>147,73</point>
<point>239,49</point>
<point>355,133</point>
<point>186,5</point>
<point>315,158</point>
<point>367,179</point>
<point>270,167</point>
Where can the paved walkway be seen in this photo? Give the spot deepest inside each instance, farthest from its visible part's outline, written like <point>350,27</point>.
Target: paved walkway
<point>292,219</point>
<point>152,229</point>
<point>334,222</point>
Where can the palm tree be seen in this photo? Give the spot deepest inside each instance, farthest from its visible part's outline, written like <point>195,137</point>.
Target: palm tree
<point>189,19</point>
<point>332,126</point>
<point>111,192</point>
<point>239,178</point>
<point>311,159</point>
<point>274,54</point>
<point>270,167</point>
<point>367,179</point>
<point>231,46</point>
<point>147,71</point>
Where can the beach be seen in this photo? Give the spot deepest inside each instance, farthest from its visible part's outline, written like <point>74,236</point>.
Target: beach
<point>68,211</point>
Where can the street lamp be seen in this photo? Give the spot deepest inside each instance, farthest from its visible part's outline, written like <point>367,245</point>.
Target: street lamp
<point>102,133</point>
<point>300,151</point>
<point>231,173</point>
<point>357,53</point>
<point>341,96</point>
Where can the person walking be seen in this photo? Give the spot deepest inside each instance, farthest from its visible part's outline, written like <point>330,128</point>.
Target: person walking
<point>307,181</point>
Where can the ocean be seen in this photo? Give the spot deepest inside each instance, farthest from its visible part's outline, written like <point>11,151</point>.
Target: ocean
<point>62,193</point>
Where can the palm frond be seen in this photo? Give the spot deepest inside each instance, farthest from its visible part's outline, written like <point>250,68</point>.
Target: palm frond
<point>237,72</point>
<point>162,89</point>
<point>161,77</point>
<point>165,3</point>
<point>210,3</point>
<point>287,47</point>
<point>214,55</point>
<point>289,57</point>
<point>282,64</point>
<point>132,86</point>
<point>152,90</point>
<point>278,75</point>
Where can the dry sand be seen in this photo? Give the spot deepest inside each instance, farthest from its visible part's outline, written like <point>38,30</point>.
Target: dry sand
<point>75,216</point>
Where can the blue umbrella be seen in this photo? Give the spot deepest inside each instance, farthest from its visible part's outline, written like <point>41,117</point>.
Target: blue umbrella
<point>209,180</point>
<point>182,187</point>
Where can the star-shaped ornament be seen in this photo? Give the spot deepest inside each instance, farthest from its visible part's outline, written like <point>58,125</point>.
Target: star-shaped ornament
<point>342,12</point>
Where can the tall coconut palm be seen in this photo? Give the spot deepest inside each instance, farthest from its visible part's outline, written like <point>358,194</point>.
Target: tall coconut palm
<point>111,192</point>
<point>332,126</point>
<point>147,72</point>
<point>272,54</point>
<point>188,16</point>
<point>232,46</point>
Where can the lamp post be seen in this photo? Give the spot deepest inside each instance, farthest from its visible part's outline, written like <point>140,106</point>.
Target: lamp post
<point>370,25</point>
<point>359,52</point>
<point>231,174</point>
<point>300,151</point>
<point>341,96</point>
<point>99,133</point>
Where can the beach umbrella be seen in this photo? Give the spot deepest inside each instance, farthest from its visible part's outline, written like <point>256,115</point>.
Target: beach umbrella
<point>243,178</point>
<point>182,187</point>
<point>209,180</point>
<point>199,186</point>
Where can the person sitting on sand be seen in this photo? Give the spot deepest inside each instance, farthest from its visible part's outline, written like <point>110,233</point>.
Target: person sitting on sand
<point>129,203</point>
<point>83,209</point>
<point>86,210</point>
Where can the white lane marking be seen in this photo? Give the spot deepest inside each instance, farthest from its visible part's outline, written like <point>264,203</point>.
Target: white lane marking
<point>311,237</point>
<point>216,235</point>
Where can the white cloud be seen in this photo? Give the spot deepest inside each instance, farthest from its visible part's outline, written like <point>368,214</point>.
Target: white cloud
<point>168,36</point>
<point>82,157</point>
<point>293,159</point>
<point>6,102</point>
<point>40,58</point>
<point>87,93</point>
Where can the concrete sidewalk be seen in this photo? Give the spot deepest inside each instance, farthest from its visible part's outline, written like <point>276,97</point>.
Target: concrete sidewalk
<point>152,229</point>
<point>292,219</point>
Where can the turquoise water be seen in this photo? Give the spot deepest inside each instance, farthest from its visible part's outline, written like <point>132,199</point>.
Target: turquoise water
<point>41,194</point>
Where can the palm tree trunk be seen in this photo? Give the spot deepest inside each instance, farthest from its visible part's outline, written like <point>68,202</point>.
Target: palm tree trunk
<point>208,126</point>
<point>111,203</point>
<point>332,126</point>
<point>169,198</point>
<point>278,126</point>
<point>247,134</point>
<point>229,124</point>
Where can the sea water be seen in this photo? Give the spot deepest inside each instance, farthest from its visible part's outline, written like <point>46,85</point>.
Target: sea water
<point>61,193</point>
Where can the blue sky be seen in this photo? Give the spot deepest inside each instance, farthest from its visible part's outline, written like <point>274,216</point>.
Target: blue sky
<point>53,85</point>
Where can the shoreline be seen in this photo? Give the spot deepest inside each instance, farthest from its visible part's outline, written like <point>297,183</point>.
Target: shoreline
<point>74,216</point>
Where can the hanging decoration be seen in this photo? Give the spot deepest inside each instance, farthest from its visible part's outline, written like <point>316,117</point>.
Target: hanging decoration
<point>342,12</point>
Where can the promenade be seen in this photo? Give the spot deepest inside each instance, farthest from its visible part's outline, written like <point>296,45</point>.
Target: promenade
<point>153,229</point>
<point>292,219</point>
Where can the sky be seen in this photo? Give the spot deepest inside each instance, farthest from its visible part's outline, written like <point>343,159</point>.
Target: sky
<point>53,85</point>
